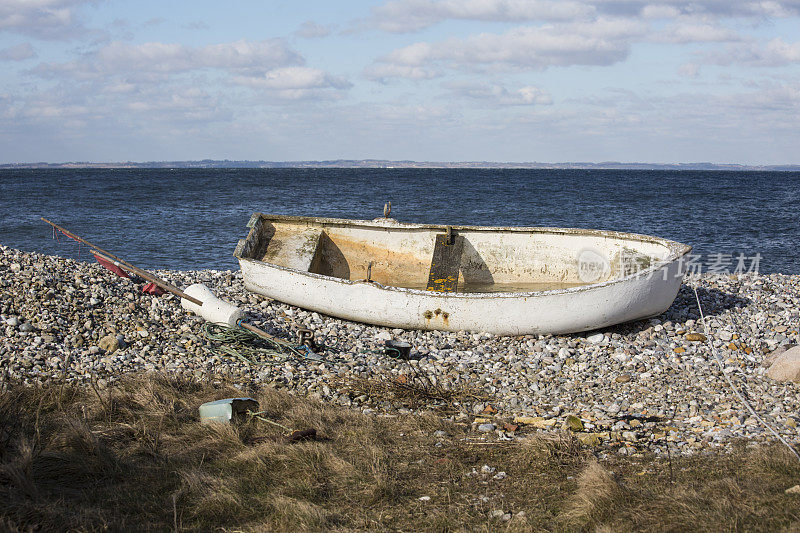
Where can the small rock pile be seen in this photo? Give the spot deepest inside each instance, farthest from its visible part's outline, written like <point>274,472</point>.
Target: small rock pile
<point>651,384</point>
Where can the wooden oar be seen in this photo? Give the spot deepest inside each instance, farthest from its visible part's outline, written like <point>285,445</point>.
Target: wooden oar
<point>150,277</point>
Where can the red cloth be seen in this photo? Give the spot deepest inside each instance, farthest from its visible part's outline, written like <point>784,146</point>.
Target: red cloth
<point>111,266</point>
<point>152,288</point>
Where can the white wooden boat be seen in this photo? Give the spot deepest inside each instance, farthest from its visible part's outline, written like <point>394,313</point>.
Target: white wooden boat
<point>510,280</point>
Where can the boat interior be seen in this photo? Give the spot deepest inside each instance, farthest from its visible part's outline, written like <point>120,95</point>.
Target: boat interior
<point>446,259</point>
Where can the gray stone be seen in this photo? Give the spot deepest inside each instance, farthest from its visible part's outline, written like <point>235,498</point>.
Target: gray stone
<point>573,423</point>
<point>26,327</point>
<point>108,344</point>
<point>486,428</point>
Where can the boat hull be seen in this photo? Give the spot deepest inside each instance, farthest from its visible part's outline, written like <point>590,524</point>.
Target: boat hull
<point>642,294</point>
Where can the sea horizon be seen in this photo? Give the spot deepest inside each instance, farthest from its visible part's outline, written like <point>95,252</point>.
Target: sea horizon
<point>404,163</point>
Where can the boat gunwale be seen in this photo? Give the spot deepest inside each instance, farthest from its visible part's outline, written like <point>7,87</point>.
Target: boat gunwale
<point>676,251</point>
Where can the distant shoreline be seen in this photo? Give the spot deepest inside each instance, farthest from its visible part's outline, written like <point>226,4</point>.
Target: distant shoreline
<point>379,163</point>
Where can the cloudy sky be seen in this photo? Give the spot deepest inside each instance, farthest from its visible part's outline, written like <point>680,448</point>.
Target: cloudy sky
<point>446,80</point>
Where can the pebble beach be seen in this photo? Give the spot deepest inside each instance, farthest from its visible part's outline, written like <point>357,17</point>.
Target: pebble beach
<point>652,385</point>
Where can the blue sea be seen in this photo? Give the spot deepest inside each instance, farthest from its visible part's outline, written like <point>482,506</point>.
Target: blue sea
<point>192,218</point>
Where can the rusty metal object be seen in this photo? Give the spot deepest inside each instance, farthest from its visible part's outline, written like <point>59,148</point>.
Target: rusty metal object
<point>305,337</point>
<point>301,435</point>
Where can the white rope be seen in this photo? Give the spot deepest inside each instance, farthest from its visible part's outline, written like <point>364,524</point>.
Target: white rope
<point>730,383</point>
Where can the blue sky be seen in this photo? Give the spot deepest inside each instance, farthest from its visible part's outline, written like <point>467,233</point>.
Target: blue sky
<point>429,80</point>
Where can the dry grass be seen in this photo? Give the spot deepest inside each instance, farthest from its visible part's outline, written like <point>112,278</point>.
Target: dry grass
<point>594,500</point>
<point>135,458</point>
<point>413,389</point>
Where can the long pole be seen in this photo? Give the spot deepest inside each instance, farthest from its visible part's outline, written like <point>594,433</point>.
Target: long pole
<point>149,277</point>
<point>138,271</point>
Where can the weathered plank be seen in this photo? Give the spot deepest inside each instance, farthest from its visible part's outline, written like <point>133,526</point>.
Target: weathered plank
<point>443,276</point>
<point>293,246</point>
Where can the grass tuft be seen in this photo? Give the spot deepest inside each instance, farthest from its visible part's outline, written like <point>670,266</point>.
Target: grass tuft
<point>595,497</point>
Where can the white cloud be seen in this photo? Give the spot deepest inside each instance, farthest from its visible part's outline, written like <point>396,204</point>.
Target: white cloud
<point>176,105</point>
<point>775,53</point>
<point>44,19</point>
<point>159,77</point>
<point>689,70</point>
<point>383,71</point>
<point>659,11</point>
<point>168,57</point>
<point>156,60</point>
<point>300,78</point>
<point>602,42</point>
<point>532,95</point>
<point>400,16</point>
<point>19,52</point>
<point>120,109</point>
<point>414,54</point>
<point>770,105</point>
<point>197,25</point>
<point>45,108</point>
<point>682,33</point>
<point>698,8</point>
<point>412,15</point>
<point>495,95</point>
<point>312,30</point>
<point>293,83</point>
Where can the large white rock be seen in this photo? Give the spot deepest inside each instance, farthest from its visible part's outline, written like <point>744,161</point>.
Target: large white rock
<point>785,365</point>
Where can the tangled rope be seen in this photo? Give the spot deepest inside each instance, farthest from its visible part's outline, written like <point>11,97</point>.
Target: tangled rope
<point>254,349</point>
